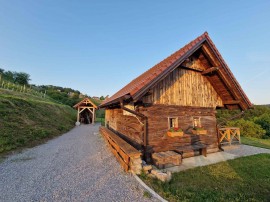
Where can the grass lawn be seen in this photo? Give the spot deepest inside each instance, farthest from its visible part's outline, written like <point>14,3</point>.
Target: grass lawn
<point>26,120</point>
<point>264,143</point>
<point>242,179</point>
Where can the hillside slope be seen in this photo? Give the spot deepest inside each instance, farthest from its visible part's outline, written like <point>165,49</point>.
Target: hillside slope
<point>27,120</point>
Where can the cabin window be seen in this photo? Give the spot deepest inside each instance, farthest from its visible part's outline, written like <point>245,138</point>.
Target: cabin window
<point>172,122</point>
<point>197,122</point>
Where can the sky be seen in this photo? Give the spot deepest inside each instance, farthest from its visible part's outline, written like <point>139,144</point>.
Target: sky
<point>97,47</point>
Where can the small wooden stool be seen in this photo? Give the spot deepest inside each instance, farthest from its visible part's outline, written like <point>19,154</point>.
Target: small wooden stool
<point>166,159</point>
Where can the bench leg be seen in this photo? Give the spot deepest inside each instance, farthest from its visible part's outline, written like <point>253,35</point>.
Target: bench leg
<point>204,152</point>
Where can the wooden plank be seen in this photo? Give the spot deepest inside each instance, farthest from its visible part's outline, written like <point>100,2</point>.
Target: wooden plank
<point>196,90</point>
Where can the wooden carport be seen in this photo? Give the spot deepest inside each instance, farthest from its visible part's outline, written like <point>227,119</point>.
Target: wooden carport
<point>86,103</point>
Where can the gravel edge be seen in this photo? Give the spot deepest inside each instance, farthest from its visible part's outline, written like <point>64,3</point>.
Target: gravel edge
<point>152,192</point>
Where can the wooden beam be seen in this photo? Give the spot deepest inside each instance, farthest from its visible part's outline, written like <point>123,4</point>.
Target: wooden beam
<point>86,107</point>
<point>231,102</point>
<point>90,110</point>
<point>190,68</point>
<point>81,110</point>
<point>210,70</point>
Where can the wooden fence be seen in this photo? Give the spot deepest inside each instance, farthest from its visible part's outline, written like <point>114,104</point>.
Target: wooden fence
<point>229,135</point>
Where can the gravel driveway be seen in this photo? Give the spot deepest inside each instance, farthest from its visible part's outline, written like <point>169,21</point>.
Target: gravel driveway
<point>76,166</point>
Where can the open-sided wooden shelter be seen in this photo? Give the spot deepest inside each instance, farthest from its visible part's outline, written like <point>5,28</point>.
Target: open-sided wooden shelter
<point>184,88</point>
<point>86,111</point>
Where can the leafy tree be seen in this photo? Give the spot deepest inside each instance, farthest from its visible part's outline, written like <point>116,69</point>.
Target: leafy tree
<point>21,78</point>
<point>9,76</point>
<point>264,122</point>
<point>102,98</point>
<point>1,71</point>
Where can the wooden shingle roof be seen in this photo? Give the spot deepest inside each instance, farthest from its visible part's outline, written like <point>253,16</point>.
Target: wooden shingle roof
<point>139,86</point>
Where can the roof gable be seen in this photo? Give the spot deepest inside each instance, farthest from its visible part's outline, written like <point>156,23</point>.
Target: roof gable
<point>139,86</point>
<point>85,102</point>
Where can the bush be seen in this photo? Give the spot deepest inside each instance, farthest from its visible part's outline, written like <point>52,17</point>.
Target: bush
<point>248,128</point>
<point>264,122</point>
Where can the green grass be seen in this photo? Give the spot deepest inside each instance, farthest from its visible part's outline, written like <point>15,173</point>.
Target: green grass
<point>146,194</point>
<point>242,179</point>
<point>28,120</point>
<point>263,143</point>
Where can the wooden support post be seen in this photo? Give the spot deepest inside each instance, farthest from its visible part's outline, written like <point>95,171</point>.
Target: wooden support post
<point>93,119</point>
<point>78,114</point>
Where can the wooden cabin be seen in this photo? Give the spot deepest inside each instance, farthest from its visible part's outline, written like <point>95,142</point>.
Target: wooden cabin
<point>184,90</point>
<point>86,111</point>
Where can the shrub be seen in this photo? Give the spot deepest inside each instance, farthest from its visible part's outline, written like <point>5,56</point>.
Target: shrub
<point>264,122</point>
<point>248,128</point>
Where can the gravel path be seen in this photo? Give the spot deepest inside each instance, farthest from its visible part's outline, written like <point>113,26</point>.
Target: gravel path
<point>76,166</point>
<point>244,150</point>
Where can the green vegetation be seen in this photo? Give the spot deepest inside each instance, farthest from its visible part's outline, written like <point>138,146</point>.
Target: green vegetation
<point>15,77</point>
<point>242,179</point>
<point>256,142</point>
<point>28,120</point>
<point>248,128</point>
<point>19,81</point>
<point>253,123</point>
<point>100,116</point>
<point>31,114</point>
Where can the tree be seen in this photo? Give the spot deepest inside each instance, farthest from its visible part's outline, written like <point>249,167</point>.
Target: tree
<point>21,78</point>
<point>2,71</point>
<point>9,76</point>
<point>102,98</point>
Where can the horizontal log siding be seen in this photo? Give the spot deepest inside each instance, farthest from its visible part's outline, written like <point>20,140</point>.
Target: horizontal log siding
<point>158,126</point>
<point>184,88</point>
<point>128,126</point>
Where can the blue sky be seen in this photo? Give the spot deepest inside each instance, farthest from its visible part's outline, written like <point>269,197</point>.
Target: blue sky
<point>97,47</point>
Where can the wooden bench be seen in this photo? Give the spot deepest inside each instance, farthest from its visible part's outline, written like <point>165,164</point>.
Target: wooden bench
<point>189,148</point>
<point>166,159</point>
<point>127,155</point>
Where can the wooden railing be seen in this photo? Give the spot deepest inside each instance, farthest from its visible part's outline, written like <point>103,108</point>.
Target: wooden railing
<point>229,135</point>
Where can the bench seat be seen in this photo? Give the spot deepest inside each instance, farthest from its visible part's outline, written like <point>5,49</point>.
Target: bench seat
<point>189,148</point>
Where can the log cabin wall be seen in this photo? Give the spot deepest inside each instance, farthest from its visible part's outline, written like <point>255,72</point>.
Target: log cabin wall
<point>127,126</point>
<point>184,88</point>
<point>158,126</point>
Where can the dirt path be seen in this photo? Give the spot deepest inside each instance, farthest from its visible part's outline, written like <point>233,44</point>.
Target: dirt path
<point>74,167</point>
